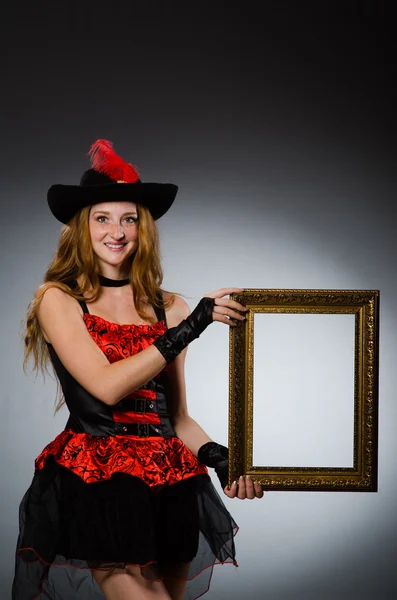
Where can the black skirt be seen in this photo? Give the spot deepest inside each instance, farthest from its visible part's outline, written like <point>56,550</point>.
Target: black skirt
<point>69,527</point>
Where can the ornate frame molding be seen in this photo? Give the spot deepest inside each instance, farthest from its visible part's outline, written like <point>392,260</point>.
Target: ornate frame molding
<point>364,304</point>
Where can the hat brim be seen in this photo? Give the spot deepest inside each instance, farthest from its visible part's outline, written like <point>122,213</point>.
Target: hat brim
<point>66,200</point>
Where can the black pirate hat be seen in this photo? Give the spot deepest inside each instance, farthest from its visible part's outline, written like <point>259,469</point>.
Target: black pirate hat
<point>110,179</point>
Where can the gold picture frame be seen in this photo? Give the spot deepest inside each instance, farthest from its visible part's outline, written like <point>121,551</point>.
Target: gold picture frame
<point>364,304</point>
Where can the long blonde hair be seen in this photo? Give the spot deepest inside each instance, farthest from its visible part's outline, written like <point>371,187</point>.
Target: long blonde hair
<point>74,259</point>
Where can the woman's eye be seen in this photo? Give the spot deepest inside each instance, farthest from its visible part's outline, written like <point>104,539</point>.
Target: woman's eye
<point>103,219</point>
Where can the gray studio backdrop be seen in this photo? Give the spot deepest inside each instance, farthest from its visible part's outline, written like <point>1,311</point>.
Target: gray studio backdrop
<point>285,182</point>
<point>250,237</point>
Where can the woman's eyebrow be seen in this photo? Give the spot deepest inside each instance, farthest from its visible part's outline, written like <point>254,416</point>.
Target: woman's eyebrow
<point>106,212</point>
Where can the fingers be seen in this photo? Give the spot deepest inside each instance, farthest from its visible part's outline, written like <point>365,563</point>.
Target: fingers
<point>229,306</point>
<point>224,292</point>
<point>233,304</point>
<point>232,491</point>
<point>259,493</point>
<point>244,488</point>
<point>249,488</point>
<point>226,315</point>
<point>225,309</point>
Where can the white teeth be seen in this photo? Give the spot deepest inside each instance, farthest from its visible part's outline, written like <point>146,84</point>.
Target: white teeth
<point>115,245</point>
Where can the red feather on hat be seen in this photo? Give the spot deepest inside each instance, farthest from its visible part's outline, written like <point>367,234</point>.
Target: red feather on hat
<point>105,160</point>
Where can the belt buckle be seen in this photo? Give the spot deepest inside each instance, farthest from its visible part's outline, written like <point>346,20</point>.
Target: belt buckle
<point>144,429</point>
<point>141,405</point>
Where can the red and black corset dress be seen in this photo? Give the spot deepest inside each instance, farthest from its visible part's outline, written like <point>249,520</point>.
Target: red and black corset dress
<point>117,487</point>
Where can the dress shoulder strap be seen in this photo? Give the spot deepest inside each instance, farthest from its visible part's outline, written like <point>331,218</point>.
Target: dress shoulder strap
<point>84,306</point>
<point>72,284</point>
<point>159,310</point>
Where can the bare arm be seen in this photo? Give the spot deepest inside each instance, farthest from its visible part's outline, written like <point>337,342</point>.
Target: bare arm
<point>63,325</point>
<point>186,428</point>
<point>191,434</point>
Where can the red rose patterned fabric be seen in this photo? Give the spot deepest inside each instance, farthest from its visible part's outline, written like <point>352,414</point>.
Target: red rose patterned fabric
<point>120,341</point>
<point>156,460</point>
<point>106,501</point>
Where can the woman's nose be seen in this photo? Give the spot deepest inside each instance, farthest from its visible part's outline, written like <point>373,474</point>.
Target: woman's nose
<point>117,231</point>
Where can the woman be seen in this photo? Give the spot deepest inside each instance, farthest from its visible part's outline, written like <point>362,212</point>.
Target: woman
<point>121,505</point>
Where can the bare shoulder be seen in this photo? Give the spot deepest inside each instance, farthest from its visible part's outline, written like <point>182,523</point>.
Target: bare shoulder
<point>177,311</point>
<point>55,304</point>
<point>61,320</point>
<point>53,297</point>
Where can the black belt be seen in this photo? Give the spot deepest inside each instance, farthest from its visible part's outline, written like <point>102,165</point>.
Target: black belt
<point>140,405</point>
<point>141,429</point>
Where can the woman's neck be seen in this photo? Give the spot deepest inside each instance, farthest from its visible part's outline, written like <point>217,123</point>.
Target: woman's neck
<point>109,282</point>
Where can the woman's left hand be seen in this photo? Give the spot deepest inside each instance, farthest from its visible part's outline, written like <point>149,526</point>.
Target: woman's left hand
<point>244,488</point>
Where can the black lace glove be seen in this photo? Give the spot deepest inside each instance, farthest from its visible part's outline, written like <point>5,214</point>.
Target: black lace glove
<point>175,339</point>
<point>216,456</point>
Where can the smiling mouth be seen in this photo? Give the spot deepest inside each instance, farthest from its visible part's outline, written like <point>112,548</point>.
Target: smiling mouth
<point>115,246</point>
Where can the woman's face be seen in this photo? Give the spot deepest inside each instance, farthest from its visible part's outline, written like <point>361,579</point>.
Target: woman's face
<point>114,232</point>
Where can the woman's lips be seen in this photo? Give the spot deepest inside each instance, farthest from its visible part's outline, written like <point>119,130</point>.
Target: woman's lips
<point>115,247</point>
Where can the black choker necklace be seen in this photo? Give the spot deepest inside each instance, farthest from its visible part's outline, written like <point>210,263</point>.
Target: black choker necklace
<point>106,282</point>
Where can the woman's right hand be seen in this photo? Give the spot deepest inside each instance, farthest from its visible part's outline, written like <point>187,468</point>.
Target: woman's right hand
<point>225,309</point>
<point>212,307</point>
